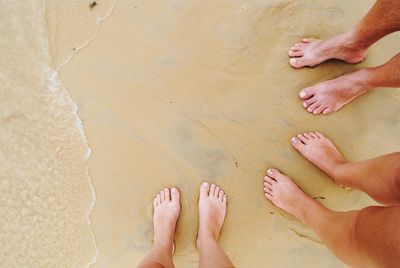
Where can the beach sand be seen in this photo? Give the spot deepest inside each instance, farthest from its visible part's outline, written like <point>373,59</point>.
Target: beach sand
<point>171,93</point>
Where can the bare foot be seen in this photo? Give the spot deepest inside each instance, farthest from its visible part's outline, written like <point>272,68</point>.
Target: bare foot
<point>330,96</point>
<point>166,212</point>
<point>212,211</point>
<point>309,52</point>
<point>285,194</point>
<point>320,151</point>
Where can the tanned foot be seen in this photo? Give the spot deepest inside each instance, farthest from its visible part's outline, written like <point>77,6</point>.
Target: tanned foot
<point>212,211</point>
<point>284,193</point>
<point>166,212</point>
<point>309,52</point>
<point>330,96</point>
<point>320,151</point>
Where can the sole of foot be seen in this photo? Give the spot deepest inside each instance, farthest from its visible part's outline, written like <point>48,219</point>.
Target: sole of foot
<point>167,208</point>
<point>212,212</point>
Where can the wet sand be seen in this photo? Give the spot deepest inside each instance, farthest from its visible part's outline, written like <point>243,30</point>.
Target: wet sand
<point>172,93</point>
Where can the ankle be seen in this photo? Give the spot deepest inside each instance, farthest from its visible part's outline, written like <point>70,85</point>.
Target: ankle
<point>356,42</point>
<point>205,238</point>
<point>341,173</point>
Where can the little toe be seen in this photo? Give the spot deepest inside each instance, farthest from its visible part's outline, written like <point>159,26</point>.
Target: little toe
<point>221,195</point>
<point>268,196</point>
<point>327,110</point>
<point>225,199</point>
<point>158,197</point>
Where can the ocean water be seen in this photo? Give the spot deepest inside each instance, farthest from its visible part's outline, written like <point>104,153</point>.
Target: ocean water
<point>45,191</point>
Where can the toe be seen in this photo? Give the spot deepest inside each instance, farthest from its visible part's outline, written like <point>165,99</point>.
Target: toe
<point>204,189</point>
<point>212,190</point>
<point>162,194</point>
<point>297,143</point>
<point>302,138</point>
<point>313,135</point>
<point>268,196</point>
<point>221,195</point>
<point>174,195</point>
<point>225,199</point>
<point>313,106</point>
<point>319,134</point>
<point>271,172</point>
<point>267,190</point>
<point>268,180</point>
<point>327,110</point>
<point>306,40</point>
<point>155,202</point>
<point>296,53</point>
<point>309,101</point>
<point>319,110</point>
<point>166,194</point>
<point>297,62</point>
<point>307,93</point>
<point>217,189</point>
<point>158,197</point>
<point>307,135</point>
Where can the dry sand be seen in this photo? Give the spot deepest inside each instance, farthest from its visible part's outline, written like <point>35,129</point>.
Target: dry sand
<point>174,92</point>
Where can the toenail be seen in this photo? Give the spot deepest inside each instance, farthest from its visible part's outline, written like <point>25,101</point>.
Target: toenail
<point>205,184</point>
<point>173,190</point>
<point>293,60</point>
<point>302,94</point>
<point>270,172</point>
<point>295,140</point>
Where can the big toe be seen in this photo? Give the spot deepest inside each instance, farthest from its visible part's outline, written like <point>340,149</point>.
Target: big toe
<point>297,144</point>
<point>204,189</point>
<point>307,93</point>
<point>297,62</point>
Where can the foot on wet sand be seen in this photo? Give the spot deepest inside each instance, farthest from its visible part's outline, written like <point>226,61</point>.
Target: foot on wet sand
<point>309,52</point>
<point>284,193</point>
<point>320,151</point>
<point>166,212</point>
<point>212,211</point>
<point>330,96</point>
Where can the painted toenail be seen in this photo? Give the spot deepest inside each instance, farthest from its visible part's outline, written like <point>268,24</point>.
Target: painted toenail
<point>302,94</point>
<point>270,172</point>
<point>173,190</point>
<point>295,140</point>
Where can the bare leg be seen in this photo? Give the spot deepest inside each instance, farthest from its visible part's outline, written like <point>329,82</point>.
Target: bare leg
<point>366,238</point>
<point>378,177</point>
<point>212,211</point>
<point>350,47</point>
<point>166,212</point>
<point>330,96</point>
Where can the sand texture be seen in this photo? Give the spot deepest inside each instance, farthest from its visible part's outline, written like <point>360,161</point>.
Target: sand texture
<point>172,93</point>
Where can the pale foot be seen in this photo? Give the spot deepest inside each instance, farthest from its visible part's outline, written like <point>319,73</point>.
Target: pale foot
<point>320,151</point>
<point>285,194</point>
<point>212,211</point>
<point>166,212</point>
<point>309,52</point>
<point>330,96</point>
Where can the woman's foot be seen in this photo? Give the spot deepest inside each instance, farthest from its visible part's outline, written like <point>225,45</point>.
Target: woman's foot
<point>166,212</point>
<point>212,211</point>
<point>309,53</point>
<point>284,193</point>
<point>320,151</point>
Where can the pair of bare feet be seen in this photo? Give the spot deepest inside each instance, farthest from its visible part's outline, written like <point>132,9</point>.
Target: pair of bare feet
<point>212,211</point>
<point>283,192</point>
<point>330,96</point>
